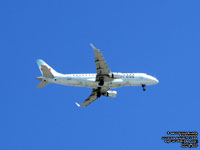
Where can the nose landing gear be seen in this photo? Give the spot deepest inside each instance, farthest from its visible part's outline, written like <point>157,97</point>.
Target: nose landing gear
<point>143,87</point>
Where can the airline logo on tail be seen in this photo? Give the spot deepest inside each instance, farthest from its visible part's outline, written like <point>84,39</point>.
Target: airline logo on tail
<point>47,67</point>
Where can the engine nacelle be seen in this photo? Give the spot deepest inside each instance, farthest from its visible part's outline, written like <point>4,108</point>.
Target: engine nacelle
<point>116,75</point>
<point>110,94</point>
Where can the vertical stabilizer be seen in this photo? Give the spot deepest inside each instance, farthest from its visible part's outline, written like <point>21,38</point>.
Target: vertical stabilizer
<point>46,70</point>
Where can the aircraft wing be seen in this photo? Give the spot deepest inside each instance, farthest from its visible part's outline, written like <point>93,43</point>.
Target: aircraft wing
<point>101,66</point>
<point>92,97</point>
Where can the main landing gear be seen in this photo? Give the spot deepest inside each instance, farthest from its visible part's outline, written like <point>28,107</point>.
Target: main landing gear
<point>101,83</point>
<point>143,87</point>
<point>98,91</point>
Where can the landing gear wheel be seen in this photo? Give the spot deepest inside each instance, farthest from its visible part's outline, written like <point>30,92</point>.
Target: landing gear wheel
<point>101,82</point>
<point>143,87</point>
<point>98,94</point>
<point>98,91</point>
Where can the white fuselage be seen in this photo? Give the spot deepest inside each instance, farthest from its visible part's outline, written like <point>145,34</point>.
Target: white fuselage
<point>89,80</point>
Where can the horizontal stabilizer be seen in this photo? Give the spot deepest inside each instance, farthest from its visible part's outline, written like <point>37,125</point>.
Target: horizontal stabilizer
<point>42,84</point>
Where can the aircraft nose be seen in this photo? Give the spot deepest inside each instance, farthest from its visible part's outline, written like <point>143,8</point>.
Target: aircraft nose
<point>155,81</point>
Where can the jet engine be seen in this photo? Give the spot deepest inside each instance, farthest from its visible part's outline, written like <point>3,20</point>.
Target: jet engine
<point>110,94</point>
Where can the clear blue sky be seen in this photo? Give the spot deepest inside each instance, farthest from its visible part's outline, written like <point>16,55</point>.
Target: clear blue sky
<point>160,38</point>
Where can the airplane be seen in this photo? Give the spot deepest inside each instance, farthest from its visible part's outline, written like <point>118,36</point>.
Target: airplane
<point>100,82</point>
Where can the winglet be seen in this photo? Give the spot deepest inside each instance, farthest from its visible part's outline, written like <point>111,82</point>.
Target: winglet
<point>92,46</point>
<point>78,104</point>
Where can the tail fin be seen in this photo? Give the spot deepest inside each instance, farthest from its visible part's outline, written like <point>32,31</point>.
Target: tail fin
<point>47,72</point>
<point>45,69</point>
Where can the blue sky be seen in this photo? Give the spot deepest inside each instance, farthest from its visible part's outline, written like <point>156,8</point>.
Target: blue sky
<point>160,38</point>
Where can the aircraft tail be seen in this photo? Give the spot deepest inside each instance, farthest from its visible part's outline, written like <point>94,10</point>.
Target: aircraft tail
<point>42,84</point>
<point>46,71</point>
